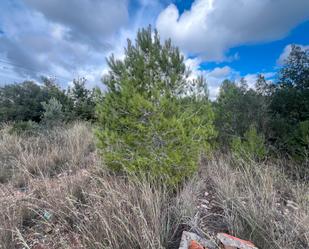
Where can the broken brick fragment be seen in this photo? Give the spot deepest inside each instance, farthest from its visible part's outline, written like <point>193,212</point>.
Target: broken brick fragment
<point>195,245</point>
<point>231,242</point>
<point>193,241</point>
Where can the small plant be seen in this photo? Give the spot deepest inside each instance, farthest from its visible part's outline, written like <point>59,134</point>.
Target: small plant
<point>252,146</point>
<point>299,142</point>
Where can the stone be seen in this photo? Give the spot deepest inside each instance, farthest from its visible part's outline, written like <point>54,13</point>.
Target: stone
<point>231,242</point>
<point>187,239</point>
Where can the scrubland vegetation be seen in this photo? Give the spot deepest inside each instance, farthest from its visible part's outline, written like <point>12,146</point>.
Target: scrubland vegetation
<point>153,156</point>
<point>58,194</point>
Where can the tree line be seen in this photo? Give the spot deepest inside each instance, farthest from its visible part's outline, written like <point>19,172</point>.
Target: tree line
<point>46,101</point>
<point>277,110</point>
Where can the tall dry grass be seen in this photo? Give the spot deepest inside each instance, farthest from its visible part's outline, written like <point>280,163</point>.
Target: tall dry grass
<point>90,211</point>
<point>55,193</point>
<point>68,200</point>
<point>47,154</point>
<point>260,203</point>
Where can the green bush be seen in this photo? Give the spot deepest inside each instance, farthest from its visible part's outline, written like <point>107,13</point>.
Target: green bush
<point>146,126</point>
<point>252,146</point>
<point>24,128</point>
<point>299,143</point>
<point>53,114</point>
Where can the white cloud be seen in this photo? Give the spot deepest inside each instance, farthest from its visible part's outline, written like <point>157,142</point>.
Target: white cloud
<point>286,51</point>
<point>67,39</point>
<point>220,72</point>
<point>213,77</point>
<point>252,78</point>
<point>90,21</point>
<point>211,27</point>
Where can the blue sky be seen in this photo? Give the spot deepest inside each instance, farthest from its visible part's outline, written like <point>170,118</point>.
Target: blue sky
<point>219,38</point>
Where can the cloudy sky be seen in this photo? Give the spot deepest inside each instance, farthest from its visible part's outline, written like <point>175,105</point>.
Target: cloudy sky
<point>219,38</point>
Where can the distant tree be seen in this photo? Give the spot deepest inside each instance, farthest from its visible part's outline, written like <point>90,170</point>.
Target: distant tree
<point>290,100</point>
<point>237,108</point>
<point>295,72</point>
<point>298,143</point>
<point>55,91</point>
<point>83,99</point>
<point>263,87</point>
<point>53,113</point>
<point>243,85</point>
<point>227,111</point>
<point>22,102</point>
<point>149,121</point>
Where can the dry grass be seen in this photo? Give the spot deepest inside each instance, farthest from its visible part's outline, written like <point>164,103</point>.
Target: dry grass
<point>69,201</point>
<point>45,155</point>
<point>91,211</point>
<point>260,204</point>
<point>56,194</point>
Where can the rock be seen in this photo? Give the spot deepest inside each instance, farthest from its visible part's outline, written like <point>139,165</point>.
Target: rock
<point>187,238</point>
<point>231,242</point>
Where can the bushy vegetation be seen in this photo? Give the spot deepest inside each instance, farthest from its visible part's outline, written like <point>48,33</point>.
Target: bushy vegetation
<point>53,114</point>
<point>279,110</point>
<point>55,193</point>
<point>251,147</point>
<point>163,158</point>
<point>149,121</point>
<point>25,101</point>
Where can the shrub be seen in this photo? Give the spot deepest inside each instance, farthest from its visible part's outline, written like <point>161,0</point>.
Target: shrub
<point>298,144</point>
<point>145,123</point>
<point>252,146</point>
<point>53,114</point>
<point>24,128</point>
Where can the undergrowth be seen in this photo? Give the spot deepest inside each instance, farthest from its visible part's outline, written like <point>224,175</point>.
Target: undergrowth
<point>55,193</point>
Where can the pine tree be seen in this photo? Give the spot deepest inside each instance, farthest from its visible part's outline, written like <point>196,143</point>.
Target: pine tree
<point>83,99</point>
<point>53,114</point>
<point>149,122</point>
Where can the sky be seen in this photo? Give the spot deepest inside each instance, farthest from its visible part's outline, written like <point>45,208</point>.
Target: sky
<point>219,38</point>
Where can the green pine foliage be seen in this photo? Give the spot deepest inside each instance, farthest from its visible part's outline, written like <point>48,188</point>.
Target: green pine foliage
<point>237,107</point>
<point>150,122</point>
<point>83,100</point>
<point>289,107</point>
<point>53,113</point>
<point>298,145</point>
<point>251,147</point>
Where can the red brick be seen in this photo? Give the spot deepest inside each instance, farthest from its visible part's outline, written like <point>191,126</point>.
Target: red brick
<point>195,245</point>
<point>231,242</point>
